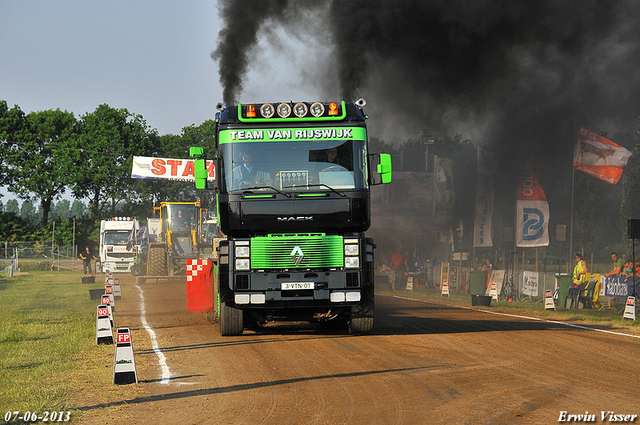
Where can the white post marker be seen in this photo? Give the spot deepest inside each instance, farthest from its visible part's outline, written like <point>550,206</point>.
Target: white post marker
<point>445,288</point>
<point>630,309</point>
<point>493,292</point>
<point>444,278</point>
<point>117,293</point>
<point>409,284</point>
<point>104,332</point>
<point>108,290</point>
<point>548,300</point>
<point>107,301</point>
<point>124,365</point>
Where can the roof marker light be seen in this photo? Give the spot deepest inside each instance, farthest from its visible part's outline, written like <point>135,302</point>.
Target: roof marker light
<point>251,111</point>
<point>333,108</point>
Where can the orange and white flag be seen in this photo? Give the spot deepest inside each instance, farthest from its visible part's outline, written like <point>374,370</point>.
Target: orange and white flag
<point>598,156</point>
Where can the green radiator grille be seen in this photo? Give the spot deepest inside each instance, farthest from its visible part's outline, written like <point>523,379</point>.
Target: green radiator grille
<point>275,251</point>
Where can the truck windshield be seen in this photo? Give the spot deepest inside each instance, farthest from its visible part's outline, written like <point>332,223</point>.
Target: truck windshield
<point>291,166</point>
<point>180,217</point>
<point>120,237</point>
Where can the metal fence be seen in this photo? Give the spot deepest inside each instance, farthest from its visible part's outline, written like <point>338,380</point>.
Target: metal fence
<point>39,255</point>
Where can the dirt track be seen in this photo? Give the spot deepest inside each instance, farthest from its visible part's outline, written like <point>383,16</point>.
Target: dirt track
<point>425,363</point>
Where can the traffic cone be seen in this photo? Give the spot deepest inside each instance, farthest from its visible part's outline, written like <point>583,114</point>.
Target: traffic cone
<point>104,332</point>
<point>124,365</point>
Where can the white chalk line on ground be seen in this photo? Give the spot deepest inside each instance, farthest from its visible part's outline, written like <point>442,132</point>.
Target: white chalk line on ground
<point>166,374</point>
<point>528,318</point>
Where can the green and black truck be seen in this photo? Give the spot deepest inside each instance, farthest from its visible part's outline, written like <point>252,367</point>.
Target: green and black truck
<point>293,201</point>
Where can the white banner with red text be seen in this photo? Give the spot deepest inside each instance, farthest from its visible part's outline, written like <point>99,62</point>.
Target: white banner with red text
<point>145,167</point>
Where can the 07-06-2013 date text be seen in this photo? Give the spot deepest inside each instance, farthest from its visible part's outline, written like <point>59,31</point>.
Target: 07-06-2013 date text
<point>45,416</point>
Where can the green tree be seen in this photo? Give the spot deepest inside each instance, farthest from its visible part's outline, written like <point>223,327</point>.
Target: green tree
<point>78,209</point>
<point>12,122</point>
<point>62,210</point>
<point>109,138</point>
<point>13,207</point>
<point>13,228</point>
<point>28,211</point>
<point>36,154</point>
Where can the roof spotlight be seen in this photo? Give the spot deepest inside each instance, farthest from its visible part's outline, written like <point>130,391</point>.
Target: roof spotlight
<point>267,110</point>
<point>300,110</point>
<point>317,109</point>
<point>284,110</point>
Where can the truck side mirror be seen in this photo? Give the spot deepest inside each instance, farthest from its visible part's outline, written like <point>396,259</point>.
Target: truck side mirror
<point>199,166</point>
<point>384,168</point>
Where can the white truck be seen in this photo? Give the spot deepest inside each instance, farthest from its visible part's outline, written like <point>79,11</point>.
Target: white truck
<point>118,247</point>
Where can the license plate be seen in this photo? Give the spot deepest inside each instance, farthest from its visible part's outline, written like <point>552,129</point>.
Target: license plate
<point>291,286</point>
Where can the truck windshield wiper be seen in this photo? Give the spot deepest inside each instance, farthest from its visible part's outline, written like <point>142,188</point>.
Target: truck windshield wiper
<point>319,185</point>
<point>249,189</point>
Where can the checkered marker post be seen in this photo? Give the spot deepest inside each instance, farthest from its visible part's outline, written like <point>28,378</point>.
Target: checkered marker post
<point>199,286</point>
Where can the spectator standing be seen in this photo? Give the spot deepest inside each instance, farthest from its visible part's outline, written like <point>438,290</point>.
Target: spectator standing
<point>397,266</point>
<point>86,260</point>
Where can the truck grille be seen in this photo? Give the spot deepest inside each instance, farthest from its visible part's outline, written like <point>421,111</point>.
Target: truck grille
<point>318,250</point>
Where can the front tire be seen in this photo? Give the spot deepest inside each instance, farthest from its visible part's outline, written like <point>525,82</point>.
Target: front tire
<point>157,262</point>
<point>136,270</point>
<point>231,321</point>
<point>362,317</point>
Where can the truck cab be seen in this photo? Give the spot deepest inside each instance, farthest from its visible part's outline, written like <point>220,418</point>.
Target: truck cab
<point>292,183</point>
<point>117,245</point>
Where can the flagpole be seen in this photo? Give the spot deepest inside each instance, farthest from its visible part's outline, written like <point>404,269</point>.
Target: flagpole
<point>573,177</point>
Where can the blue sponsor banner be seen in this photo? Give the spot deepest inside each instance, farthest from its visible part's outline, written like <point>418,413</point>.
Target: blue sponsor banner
<point>620,287</point>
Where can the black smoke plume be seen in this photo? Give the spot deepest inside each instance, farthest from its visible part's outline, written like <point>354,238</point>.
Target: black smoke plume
<point>499,70</point>
<point>243,21</point>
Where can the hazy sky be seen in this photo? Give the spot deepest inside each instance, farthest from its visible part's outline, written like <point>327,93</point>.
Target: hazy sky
<point>151,57</point>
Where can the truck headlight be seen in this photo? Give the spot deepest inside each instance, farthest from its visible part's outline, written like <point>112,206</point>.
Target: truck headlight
<point>242,251</point>
<point>242,264</point>
<point>351,249</point>
<point>352,262</point>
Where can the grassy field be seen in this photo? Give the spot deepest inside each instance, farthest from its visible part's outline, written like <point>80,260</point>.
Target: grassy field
<point>48,356</point>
